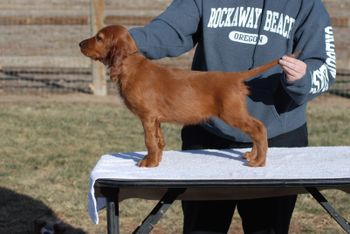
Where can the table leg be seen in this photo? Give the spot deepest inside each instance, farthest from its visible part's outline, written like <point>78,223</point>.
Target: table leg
<point>158,211</point>
<point>325,204</point>
<point>111,195</point>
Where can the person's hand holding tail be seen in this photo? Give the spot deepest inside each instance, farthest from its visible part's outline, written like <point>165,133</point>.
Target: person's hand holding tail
<point>294,68</point>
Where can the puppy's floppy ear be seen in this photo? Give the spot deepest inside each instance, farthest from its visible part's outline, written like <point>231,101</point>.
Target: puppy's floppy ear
<point>118,52</point>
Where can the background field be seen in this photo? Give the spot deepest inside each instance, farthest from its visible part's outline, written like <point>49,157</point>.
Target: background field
<point>49,144</point>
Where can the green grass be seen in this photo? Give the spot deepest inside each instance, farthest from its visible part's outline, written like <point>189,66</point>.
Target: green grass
<point>47,150</point>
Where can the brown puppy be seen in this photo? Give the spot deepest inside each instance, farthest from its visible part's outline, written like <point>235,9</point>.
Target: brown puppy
<point>158,94</point>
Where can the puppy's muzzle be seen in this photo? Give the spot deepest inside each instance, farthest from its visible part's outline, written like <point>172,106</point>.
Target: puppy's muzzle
<point>82,44</point>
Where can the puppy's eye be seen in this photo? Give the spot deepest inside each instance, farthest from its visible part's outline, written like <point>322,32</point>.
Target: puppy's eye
<point>99,38</point>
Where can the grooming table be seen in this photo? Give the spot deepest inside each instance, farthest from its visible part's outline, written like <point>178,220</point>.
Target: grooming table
<point>216,175</point>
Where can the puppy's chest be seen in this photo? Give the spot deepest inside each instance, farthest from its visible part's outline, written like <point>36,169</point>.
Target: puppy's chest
<point>128,95</point>
<point>122,90</point>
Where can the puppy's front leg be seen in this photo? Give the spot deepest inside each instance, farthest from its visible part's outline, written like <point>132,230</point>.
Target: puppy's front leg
<point>160,140</point>
<point>151,159</point>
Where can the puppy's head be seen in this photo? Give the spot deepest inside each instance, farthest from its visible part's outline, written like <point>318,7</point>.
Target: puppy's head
<point>110,46</point>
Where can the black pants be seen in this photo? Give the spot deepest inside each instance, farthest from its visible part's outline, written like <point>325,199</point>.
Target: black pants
<point>266,215</point>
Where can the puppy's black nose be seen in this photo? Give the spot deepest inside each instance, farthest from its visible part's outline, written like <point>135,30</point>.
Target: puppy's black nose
<point>82,43</point>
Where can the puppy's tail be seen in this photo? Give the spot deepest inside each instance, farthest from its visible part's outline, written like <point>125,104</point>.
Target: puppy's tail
<point>258,70</point>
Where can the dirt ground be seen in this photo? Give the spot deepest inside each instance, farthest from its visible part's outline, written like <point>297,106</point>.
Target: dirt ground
<point>331,100</point>
<point>324,100</point>
<point>67,98</point>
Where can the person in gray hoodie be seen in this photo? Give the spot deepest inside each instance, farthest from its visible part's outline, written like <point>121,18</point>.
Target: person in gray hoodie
<point>236,35</point>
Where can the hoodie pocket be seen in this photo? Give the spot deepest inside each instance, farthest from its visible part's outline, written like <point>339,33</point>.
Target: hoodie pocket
<point>261,105</point>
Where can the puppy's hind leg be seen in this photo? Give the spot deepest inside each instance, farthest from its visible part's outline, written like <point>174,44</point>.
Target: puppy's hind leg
<point>151,141</point>
<point>257,132</point>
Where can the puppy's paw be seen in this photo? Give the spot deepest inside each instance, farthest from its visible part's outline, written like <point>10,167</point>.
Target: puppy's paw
<point>146,162</point>
<point>256,163</point>
<point>248,156</point>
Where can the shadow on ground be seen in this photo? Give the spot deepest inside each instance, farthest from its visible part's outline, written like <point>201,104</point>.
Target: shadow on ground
<point>22,214</point>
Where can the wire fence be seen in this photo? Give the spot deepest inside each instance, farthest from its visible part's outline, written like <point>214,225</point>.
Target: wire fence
<point>342,85</point>
<point>39,52</point>
<point>39,47</point>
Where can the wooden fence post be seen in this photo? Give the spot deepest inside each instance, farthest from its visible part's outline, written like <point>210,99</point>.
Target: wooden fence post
<point>99,83</point>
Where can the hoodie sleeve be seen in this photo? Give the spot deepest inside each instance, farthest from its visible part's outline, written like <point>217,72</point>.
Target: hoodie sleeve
<point>314,39</point>
<point>171,33</point>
